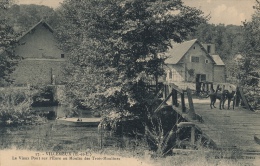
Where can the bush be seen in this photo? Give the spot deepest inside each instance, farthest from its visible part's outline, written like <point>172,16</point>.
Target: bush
<point>160,132</point>
<point>44,96</point>
<point>15,107</point>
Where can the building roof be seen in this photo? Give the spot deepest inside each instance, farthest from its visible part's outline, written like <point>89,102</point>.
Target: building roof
<point>218,60</point>
<point>46,25</point>
<point>177,51</point>
<point>238,57</point>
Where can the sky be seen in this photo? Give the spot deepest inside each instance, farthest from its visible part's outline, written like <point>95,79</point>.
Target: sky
<point>221,11</point>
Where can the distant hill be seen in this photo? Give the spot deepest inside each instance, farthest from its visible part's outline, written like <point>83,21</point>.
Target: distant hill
<point>22,17</point>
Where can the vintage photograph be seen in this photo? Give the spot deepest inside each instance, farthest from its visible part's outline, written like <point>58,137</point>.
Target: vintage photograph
<point>130,82</point>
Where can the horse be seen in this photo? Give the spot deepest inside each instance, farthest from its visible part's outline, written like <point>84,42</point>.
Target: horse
<point>231,96</point>
<point>221,96</point>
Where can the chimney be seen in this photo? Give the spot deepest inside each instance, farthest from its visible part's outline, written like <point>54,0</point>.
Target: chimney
<point>210,48</point>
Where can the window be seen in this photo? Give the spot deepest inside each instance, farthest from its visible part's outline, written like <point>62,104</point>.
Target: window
<point>194,47</point>
<point>203,77</point>
<point>195,59</point>
<point>206,61</point>
<point>208,48</point>
<point>62,55</point>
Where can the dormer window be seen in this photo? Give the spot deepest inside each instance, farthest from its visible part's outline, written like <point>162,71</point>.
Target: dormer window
<point>62,55</point>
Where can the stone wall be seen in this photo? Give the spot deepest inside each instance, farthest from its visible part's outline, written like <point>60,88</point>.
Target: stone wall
<point>38,72</point>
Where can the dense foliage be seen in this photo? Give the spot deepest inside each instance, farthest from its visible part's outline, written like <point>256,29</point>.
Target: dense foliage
<point>7,40</point>
<point>16,109</point>
<point>113,45</point>
<point>23,17</point>
<point>228,39</point>
<point>249,73</point>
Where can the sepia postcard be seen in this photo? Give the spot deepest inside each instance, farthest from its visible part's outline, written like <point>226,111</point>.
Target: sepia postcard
<point>129,82</point>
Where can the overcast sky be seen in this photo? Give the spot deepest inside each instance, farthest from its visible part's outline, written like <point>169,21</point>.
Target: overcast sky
<point>221,11</point>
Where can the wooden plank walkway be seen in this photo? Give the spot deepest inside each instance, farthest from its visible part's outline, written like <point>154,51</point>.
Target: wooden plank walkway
<point>227,128</point>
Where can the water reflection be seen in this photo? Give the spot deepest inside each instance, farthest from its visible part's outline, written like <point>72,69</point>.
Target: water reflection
<point>62,111</point>
<point>55,136</point>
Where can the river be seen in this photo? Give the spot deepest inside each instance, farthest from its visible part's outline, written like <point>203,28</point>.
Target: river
<point>54,136</point>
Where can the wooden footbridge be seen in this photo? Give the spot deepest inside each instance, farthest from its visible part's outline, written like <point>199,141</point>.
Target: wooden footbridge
<point>238,128</point>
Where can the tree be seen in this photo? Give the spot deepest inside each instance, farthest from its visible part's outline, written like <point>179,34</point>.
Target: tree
<point>251,50</point>
<point>23,17</point>
<point>7,40</point>
<point>114,44</point>
<point>249,73</point>
<point>227,39</point>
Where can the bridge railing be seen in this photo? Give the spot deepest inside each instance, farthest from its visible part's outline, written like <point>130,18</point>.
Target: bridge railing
<point>177,96</point>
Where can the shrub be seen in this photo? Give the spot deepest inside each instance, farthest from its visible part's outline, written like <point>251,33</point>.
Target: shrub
<point>44,96</point>
<point>15,107</point>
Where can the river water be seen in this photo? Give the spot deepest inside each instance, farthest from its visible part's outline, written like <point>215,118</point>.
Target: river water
<point>62,111</point>
<point>56,137</point>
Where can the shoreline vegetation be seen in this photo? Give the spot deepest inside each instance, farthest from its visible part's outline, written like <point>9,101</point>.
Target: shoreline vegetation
<point>16,106</point>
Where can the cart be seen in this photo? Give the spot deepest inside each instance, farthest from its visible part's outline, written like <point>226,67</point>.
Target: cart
<point>204,88</point>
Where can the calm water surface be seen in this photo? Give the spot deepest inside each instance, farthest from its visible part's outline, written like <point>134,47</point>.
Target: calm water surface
<point>58,137</point>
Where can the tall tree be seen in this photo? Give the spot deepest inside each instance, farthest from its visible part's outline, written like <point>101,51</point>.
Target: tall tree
<point>113,44</point>
<point>7,40</point>
<point>249,73</point>
<point>251,50</point>
<point>227,39</point>
<point>23,17</point>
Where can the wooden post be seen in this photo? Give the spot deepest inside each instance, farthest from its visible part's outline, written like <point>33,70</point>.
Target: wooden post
<point>183,102</point>
<point>192,136</point>
<point>174,98</point>
<point>164,91</point>
<point>193,128</point>
<point>177,118</point>
<point>191,110</point>
<point>164,101</point>
<point>244,99</point>
<point>237,99</point>
<point>199,139</point>
<point>101,137</point>
<point>51,76</point>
